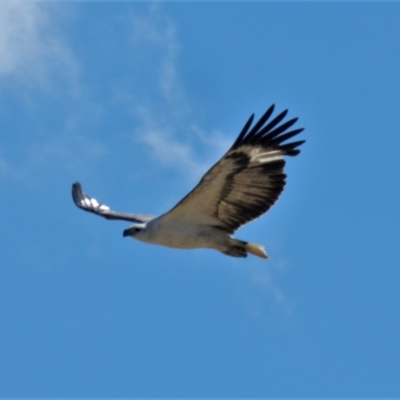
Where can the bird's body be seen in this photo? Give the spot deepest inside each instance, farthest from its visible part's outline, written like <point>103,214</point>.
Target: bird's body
<point>240,187</point>
<point>181,234</point>
<point>184,235</point>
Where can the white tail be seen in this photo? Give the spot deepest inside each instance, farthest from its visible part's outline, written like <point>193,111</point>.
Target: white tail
<point>256,249</point>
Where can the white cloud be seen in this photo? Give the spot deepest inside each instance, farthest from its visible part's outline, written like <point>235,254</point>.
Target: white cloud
<point>165,147</point>
<point>165,118</point>
<point>35,55</point>
<point>31,50</point>
<point>259,289</point>
<point>264,280</point>
<point>157,31</point>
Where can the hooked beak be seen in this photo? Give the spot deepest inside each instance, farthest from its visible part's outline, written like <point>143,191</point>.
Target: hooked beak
<point>127,232</point>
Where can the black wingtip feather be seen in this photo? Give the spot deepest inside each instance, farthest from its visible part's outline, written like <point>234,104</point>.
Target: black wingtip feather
<point>76,192</point>
<point>280,139</point>
<point>270,134</point>
<point>290,148</point>
<point>260,122</point>
<point>277,131</point>
<point>244,130</point>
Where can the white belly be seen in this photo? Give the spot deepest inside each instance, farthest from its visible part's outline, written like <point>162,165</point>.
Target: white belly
<point>184,236</point>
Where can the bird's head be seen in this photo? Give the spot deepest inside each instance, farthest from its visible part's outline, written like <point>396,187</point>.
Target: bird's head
<point>134,231</point>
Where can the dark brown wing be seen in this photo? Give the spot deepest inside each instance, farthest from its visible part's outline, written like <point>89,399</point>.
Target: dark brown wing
<point>247,180</point>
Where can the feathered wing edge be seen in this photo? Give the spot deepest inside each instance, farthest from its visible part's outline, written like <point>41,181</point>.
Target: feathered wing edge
<point>268,161</point>
<point>86,203</point>
<point>234,210</point>
<point>270,135</point>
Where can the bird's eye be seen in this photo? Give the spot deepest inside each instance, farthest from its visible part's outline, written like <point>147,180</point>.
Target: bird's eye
<point>137,230</point>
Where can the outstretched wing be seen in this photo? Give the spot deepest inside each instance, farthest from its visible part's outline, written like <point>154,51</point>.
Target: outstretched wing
<point>83,201</point>
<point>247,180</point>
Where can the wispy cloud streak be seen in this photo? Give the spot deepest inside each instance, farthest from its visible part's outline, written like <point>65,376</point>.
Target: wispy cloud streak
<point>166,123</point>
<point>35,57</point>
<point>259,288</point>
<point>31,50</point>
<point>157,32</point>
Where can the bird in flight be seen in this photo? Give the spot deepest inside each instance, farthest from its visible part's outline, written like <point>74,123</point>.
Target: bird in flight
<point>239,188</point>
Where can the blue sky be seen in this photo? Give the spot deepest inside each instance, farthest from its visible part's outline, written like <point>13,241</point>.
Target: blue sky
<point>136,101</point>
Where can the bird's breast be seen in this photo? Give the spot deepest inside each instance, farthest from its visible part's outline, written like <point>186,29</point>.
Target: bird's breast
<point>180,235</point>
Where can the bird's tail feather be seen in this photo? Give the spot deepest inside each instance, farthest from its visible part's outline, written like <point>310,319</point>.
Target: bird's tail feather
<point>256,250</point>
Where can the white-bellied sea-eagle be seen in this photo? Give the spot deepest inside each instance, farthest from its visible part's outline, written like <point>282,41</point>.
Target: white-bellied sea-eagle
<point>240,187</point>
